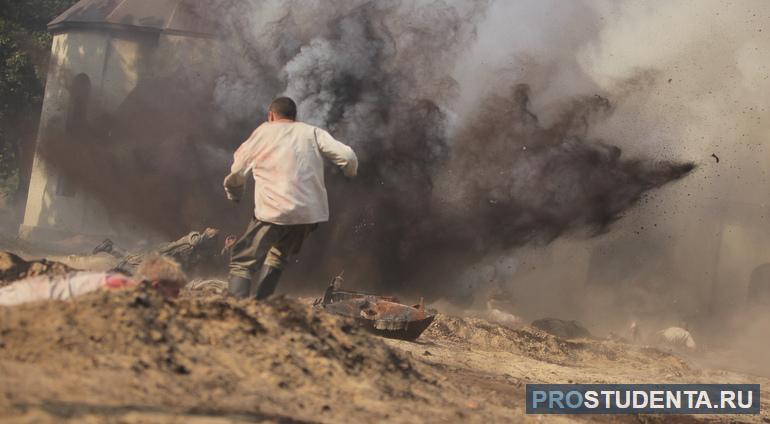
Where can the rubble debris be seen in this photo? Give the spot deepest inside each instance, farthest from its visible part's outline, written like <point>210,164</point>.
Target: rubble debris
<point>14,268</point>
<point>562,328</point>
<point>381,315</point>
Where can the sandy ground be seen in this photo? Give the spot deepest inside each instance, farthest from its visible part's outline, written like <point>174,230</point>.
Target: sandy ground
<point>134,357</point>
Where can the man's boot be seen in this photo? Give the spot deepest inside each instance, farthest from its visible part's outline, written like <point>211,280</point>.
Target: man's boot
<point>266,283</point>
<point>239,286</point>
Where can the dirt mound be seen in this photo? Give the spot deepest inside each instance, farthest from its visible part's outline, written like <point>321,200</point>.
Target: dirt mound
<point>13,268</point>
<point>133,357</point>
<point>267,358</point>
<point>542,346</point>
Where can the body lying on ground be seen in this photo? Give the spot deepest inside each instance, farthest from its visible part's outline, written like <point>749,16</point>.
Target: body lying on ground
<point>156,271</point>
<point>198,253</point>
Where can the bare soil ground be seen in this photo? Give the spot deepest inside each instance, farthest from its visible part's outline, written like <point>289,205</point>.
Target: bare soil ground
<point>133,357</point>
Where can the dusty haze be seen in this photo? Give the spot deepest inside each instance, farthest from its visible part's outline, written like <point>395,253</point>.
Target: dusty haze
<point>517,149</point>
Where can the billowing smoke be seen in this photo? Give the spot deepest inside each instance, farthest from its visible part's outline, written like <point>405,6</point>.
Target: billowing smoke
<point>438,190</point>
<point>545,180</point>
<point>686,80</point>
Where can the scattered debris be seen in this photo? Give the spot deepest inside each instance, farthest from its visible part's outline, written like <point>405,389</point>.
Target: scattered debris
<point>562,328</point>
<point>381,315</point>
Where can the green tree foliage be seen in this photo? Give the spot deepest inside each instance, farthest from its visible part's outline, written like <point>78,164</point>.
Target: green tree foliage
<point>24,51</point>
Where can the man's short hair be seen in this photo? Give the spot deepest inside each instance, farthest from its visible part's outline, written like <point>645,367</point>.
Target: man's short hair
<point>284,107</point>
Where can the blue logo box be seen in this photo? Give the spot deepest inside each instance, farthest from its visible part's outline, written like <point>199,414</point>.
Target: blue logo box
<point>642,398</point>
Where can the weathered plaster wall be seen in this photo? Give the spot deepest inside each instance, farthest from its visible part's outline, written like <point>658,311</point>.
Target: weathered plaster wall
<point>115,63</point>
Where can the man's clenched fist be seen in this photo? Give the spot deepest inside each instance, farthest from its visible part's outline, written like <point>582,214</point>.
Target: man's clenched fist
<point>234,184</point>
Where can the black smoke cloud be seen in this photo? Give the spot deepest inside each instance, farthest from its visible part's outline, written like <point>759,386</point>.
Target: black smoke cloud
<point>546,180</point>
<point>436,192</point>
